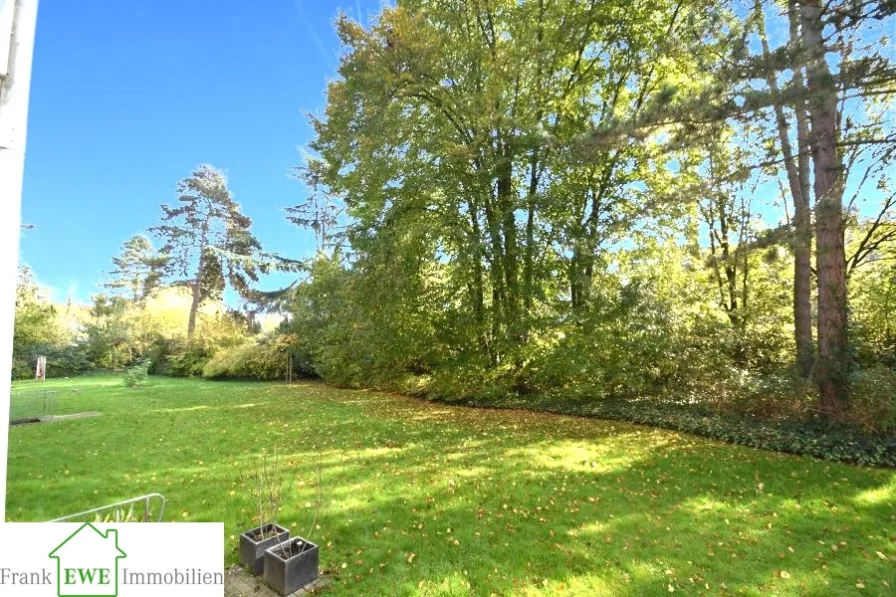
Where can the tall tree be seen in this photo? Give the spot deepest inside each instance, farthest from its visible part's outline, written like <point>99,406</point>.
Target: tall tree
<point>797,169</point>
<point>138,268</point>
<point>321,210</point>
<point>829,183</point>
<point>208,239</point>
<point>830,110</point>
<point>840,124</point>
<point>444,120</point>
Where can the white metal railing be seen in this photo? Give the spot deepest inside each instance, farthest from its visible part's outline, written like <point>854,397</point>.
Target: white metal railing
<point>115,511</point>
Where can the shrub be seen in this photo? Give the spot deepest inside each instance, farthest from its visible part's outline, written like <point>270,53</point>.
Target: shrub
<point>873,401</point>
<point>463,381</point>
<point>137,373</point>
<point>771,397</point>
<point>187,363</point>
<point>291,346</point>
<point>67,361</point>
<point>252,360</point>
<point>62,361</point>
<point>174,357</point>
<point>160,351</point>
<point>568,369</point>
<point>21,368</point>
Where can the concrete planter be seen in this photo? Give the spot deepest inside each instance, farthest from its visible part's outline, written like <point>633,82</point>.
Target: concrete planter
<point>252,551</point>
<point>287,574</point>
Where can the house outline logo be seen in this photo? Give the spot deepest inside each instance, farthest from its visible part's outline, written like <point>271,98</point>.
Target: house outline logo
<point>91,560</point>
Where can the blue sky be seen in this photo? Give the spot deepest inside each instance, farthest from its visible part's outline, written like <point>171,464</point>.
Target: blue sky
<point>128,97</point>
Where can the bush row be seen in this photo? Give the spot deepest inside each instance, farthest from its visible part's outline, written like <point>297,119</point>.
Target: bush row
<point>263,360</point>
<point>253,360</point>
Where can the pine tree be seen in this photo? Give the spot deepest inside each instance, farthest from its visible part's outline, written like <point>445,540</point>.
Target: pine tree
<point>209,240</point>
<point>138,268</point>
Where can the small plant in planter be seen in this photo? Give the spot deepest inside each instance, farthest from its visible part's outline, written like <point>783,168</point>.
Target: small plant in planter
<point>293,563</point>
<point>266,488</point>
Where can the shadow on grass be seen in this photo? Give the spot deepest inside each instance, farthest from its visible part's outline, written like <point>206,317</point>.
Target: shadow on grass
<point>424,499</point>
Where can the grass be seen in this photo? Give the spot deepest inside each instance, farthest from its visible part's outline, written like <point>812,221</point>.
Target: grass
<point>425,499</point>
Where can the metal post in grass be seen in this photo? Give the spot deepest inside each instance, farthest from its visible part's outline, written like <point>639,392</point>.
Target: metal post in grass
<point>18,19</point>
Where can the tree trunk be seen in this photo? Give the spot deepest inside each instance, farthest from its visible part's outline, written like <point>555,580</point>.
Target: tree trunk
<point>496,274</point>
<point>506,204</point>
<point>579,284</point>
<point>477,286</point>
<point>802,289</point>
<point>529,265</point>
<point>194,309</point>
<point>797,179</point>
<point>197,283</point>
<point>722,259</point>
<point>802,223</point>
<point>833,361</point>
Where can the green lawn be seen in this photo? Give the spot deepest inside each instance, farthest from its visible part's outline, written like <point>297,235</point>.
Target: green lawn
<point>425,499</point>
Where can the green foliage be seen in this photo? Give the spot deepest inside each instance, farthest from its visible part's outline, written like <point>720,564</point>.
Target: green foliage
<point>546,206</point>
<point>67,361</point>
<point>158,353</point>
<point>208,240</point>
<point>485,262</point>
<point>498,217</point>
<point>872,303</point>
<point>137,374</point>
<point>40,329</point>
<point>121,332</point>
<point>36,318</point>
<point>62,361</point>
<point>188,362</point>
<point>221,330</point>
<point>139,269</point>
<point>873,400</point>
<point>22,368</point>
<point>648,334</point>
<point>252,360</point>
<point>111,335</point>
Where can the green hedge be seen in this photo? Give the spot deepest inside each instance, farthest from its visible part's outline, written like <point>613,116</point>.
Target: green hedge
<point>177,358</point>
<point>62,361</point>
<point>262,361</point>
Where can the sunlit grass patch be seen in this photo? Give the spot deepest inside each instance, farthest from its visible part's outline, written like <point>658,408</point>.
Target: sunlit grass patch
<point>422,499</point>
<point>878,495</point>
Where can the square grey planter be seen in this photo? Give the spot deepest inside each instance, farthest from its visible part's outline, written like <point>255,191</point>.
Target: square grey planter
<point>286,576</point>
<point>252,551</point>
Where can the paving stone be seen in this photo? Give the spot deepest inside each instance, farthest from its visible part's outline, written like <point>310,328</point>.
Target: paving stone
<point>239,583</point>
